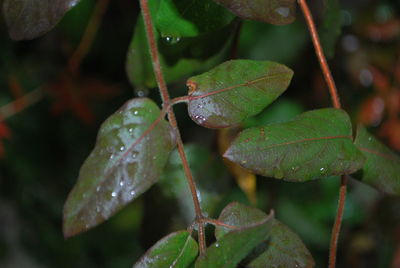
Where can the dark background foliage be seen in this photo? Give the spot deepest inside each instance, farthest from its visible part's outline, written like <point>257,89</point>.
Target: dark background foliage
<point>43,145</point>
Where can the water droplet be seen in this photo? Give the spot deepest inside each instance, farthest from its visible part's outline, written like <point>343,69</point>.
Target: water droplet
<point>113,194</point>
<point>98,188</point>
<point>111,156</point>
<point>295,168</point>
<point>121,183</point>
<point>283,11</point>
<point>130,130</point>
<point>171,40</point>
<point>243,162</point>
<point>216,245</point>
<point>323,170</point>
<point>122,148</point>
<point>132,193</point>
<point>369,138</point>
<point>278,173</point>
<point>136,112</point>
<point>199,106</point>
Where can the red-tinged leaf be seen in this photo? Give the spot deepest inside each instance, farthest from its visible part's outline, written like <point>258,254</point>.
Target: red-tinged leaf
<point>313,145</point>
<point>28,19</point>
<point>280,248</point>
<point>177,250</point>
<point>382,166</point>
<point>235,90</point>
<point>228,251</point>
<point>132,148</point>
<point>277,12</point>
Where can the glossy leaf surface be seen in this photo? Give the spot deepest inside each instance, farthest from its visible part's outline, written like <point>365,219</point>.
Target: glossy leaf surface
<point>132,148</point>
<point>277,12</point>
<point>177,250</point>
<point>281,247</point>
<point>182,18</point>
<point>28,19</point>
<point>382,167</point>
<point>235,90</point>
<point>228,251</point>
<point>314,144</point>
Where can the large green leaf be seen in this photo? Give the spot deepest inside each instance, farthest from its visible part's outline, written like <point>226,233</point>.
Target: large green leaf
<point>228,251</point>
<point>314,144</point>
<point>382,167</point>
<point>209,174</point>
<point>183,18</point>
<point>331,27</point>
<point>235,90</point>
<point>132,148</point>
<point>28,19</point>
<point>281,247</point>
<point>178,57</point>
<point>277,12</point>
<point>177,250</point>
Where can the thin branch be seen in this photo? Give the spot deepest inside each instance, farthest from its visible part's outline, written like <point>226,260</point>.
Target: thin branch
<point>171,116</point>
<point>88,36</point>
<point>320,54</point>
<point>336,103</point>
<point>21,103</point>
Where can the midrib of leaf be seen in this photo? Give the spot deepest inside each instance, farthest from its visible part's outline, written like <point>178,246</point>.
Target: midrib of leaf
<point>118,160</point>
<point>181,252</point>
<point>386,156</point>
<point>248,83</point>
<point>298,141</point>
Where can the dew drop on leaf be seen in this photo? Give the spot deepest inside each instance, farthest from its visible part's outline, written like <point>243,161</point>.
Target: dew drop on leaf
<point>171,40</point>
<point>278,173</point>
<point>283,11</point>
<point>113,194</point>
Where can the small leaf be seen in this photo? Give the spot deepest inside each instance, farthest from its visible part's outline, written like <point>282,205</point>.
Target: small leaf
<point>132,148</point>
<point>177,250</point>
<point>28,19</point>
<point>314,144</point>
<point>282,248</point>
<point>182,18</point>
<point>382,166</point>
<point>235,90</point>
<point>228,251</point>
<point>277,12</point>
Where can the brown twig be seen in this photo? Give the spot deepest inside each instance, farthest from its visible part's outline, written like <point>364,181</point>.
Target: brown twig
<point>171,116</point>
<point>336,103</point>
<point>88,35</point>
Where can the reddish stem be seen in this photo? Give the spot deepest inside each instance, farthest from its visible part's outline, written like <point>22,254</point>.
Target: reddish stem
<point>171,116</point>
<point>336,103</point>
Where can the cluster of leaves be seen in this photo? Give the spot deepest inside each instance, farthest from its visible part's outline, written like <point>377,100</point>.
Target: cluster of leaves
<point>134,144</point>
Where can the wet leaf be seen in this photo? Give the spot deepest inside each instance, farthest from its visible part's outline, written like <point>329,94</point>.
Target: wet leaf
<point>176,250</point>
<point>277,12</point>
<point>314,144</point>
<point>228,251</point>
<point>382,166</point>
<point>132,148</point>
<point>178,57</point>
<point>281,247</point>
<point>210,177</point>
<point>28,19</point>
<point>235,90</point>
<point>182,18</point>
<point>331,27</point>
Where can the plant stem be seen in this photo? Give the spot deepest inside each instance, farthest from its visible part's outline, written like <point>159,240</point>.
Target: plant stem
<point>320,54</point>
<point>336,103</point>
<point>21,103</point>
<point>171,117</point>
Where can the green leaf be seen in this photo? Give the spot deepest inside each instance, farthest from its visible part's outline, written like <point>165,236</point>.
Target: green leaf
<point>382,167</point>
<point>131,151</point>
<point>228,251</point>
<point>282,248</point>
<point>209,174</point>
<point>178,57</point>
<point>277,12</point>
<point>182,18</point>
<point>235,90</point>
<point>314,144</point>
<point>176,250</point>
<point>331,27</point>
<point>28,19</point>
